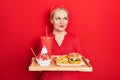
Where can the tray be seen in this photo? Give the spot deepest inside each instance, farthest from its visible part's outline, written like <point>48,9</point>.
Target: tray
<point>55,67</point>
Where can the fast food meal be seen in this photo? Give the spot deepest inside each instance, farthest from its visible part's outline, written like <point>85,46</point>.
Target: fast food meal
<point>73,58</point>
<point>62,59</point>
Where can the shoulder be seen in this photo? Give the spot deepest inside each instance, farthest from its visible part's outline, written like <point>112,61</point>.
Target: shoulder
<point>51,35</point>
<point>70,35</point>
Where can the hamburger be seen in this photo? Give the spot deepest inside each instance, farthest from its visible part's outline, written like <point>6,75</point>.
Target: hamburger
<point>74,58</point>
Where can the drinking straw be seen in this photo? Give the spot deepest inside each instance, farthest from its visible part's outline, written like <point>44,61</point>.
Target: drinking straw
<point>46,32</point>
<point>33,52</point>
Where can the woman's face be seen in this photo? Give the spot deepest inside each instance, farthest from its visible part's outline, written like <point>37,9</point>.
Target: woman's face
<point>60,20</point>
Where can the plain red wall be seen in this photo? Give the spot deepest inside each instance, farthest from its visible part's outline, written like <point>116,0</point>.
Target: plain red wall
<point>96,22</point>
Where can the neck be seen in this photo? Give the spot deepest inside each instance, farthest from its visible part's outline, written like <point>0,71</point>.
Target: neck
<point>59,33</point>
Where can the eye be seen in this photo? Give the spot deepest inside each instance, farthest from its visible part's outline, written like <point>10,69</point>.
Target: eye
<point>58,18</point>
<point>65,18</point>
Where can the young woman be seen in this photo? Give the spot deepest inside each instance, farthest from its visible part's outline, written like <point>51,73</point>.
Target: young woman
<point>64,43</point>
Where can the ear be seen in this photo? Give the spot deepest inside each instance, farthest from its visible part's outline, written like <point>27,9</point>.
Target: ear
<point>51,21</point>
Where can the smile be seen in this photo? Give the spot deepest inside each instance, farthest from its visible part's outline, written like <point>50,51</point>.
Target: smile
<point>61,26</point>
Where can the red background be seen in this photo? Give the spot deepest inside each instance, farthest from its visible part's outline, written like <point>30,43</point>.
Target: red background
<point>96,22</point>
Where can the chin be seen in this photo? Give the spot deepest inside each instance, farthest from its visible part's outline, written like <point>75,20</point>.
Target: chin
<point>62,29</point>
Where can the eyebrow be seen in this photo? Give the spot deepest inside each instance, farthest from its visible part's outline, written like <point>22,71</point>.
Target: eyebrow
<point>60,17</point>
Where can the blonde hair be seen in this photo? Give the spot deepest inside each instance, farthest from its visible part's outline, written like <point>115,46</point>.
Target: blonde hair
<point>55,8</point>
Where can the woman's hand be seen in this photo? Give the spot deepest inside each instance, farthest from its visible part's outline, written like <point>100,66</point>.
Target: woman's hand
<point>87,60</point>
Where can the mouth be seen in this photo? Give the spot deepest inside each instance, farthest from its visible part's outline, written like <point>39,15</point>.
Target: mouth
<point>61,26</point>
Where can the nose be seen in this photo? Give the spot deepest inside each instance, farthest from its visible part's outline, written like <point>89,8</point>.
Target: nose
<point>62,22</point>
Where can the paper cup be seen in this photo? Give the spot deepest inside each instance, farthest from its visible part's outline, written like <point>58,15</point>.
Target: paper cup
<point>47,42</point>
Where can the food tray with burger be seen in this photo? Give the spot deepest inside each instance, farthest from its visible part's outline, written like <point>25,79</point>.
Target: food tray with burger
<point>63,63</point>
<point>73,59</point>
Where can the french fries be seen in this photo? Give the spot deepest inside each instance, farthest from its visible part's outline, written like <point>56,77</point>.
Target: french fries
<point>62,59</point>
